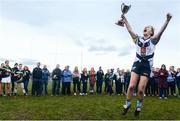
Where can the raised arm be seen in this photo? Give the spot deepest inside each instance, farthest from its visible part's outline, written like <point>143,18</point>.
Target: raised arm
<point>131,32</point>
<point>159,34</point>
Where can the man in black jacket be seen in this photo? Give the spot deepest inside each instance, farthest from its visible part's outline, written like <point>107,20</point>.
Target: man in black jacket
<point>13,77</point>
<point>56,79</point>
<point>99,82</point>
<point>36,80</point>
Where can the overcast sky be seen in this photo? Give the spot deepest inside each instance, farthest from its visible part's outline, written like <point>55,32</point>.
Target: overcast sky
<point>83,33</point>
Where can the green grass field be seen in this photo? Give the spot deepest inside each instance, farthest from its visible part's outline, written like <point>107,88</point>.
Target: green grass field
<point>85,107</point>
<point>100,107</point>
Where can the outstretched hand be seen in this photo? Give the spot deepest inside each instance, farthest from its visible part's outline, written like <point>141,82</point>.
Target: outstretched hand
<point>168,16</point>
<point>123,18</point>
<point>159,34</point>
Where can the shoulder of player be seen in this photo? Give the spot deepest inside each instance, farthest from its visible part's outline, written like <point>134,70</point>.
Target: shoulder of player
<point>153,41</point>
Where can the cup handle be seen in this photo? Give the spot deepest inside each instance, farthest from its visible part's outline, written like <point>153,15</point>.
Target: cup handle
<point>122,6</point>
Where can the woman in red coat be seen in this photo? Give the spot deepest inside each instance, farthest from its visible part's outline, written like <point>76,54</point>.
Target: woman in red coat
<point>162,84</point>
<point>156,74</point>
<point>92,79</point>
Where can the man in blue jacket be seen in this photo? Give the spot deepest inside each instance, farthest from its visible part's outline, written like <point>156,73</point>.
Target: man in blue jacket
<point>66,83</point>
<point>45,78</point>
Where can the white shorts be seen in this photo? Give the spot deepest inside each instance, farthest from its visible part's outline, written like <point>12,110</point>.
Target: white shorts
<point>6,80</point>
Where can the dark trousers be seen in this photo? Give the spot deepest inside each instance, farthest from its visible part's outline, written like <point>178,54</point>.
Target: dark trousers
<point>156,88</point>
<point>55,87</point>
<point>109,88</point>
<point>12,87</point>
<point>123,87</point>
<point>179,89</point>
<point>163,91</point>
<point>76,85</point>
<point>171,88</point>
<point>106,85</point>
<point>45,86</point>
<point>84,86</point>
<point>152,86</point>
<point>36,87</point>
<point>148,89</point>
<point>99,86</point>
<point>26,82</point>
<point>91,87</point>
<point>178,86</point>
<point>41,87</point>
<point>126,85</point>
<point>66,87</point>
<point>118,87</point>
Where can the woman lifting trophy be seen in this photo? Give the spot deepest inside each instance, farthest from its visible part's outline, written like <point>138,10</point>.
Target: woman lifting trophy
<point>141,69</point>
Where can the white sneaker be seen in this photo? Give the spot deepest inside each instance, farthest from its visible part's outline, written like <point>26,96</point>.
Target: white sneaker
<point>138,109</point>
<point>160,97</point>
<point>74,93</point>
<point>165,98</point>
<point>80,94</point>
<point>125,106</point>
<point>85,93</point>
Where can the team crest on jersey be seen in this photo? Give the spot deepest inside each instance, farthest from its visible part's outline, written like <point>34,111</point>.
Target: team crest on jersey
<point>143,50</point>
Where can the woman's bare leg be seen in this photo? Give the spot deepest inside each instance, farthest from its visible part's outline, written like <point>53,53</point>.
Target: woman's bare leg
<point>1,89</point>
<point>15,88</point>
<point>22,88</point>
<point>7,88</point>
<point>141,88</point>
<point>132,85</point>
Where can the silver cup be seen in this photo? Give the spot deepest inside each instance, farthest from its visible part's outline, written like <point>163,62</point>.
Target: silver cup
<point>124,10</point>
